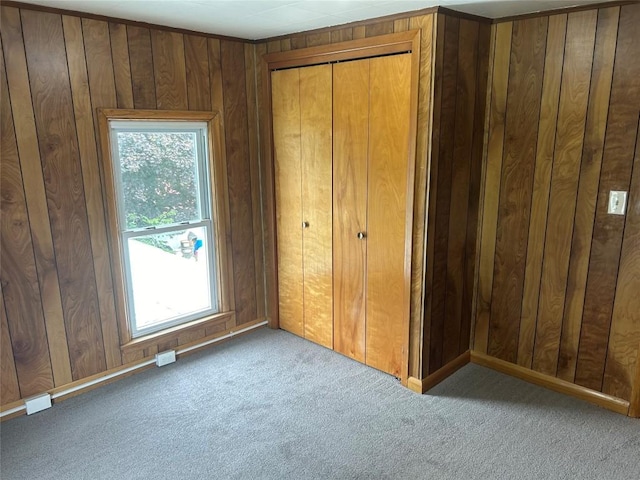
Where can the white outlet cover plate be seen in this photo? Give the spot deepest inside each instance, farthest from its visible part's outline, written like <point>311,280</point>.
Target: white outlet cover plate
<point>617,202</point>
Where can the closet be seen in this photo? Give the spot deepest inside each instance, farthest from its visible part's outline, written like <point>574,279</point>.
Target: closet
<point>343,183</point>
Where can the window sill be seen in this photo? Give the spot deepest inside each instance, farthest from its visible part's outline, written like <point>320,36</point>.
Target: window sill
<point>173,332</point>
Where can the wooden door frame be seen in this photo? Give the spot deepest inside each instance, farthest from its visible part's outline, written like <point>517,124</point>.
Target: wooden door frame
<point>394,43</point>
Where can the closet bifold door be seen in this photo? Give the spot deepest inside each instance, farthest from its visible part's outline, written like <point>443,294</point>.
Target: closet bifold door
<point>387,216</point>
<point>316,157</point>
<point>302,134</point>
<point>350,152</point>
<point>285,101</point>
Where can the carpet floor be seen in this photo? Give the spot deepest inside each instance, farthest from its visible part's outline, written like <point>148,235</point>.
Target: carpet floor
<point>269,405</point>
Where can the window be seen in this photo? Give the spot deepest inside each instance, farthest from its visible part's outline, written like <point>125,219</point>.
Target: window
<point>163,221</point>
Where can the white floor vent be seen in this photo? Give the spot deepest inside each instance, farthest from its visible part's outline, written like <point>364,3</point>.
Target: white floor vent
<point>38,403</point>
<point>165,358</point>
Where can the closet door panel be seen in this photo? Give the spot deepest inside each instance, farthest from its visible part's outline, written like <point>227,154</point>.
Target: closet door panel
<point>288,179</point>
<point>386,304</point>
<point>316,159</point>
<point>350,150</point>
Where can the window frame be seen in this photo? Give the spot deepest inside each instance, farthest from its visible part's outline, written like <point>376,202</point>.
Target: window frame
<point>218,213</point>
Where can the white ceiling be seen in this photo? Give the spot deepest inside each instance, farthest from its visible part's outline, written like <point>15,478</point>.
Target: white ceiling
<point>256,19</point>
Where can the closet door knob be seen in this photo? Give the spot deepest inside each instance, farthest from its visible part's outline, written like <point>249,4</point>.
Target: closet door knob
<point>305,224</point>
<point>361,235</point>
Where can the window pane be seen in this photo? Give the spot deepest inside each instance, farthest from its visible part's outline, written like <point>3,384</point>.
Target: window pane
<point>170,275</point>
<point>159,177</point>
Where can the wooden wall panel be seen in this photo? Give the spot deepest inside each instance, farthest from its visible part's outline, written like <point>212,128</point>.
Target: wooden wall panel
<point>549,103</point>
<point>96,88</point>
<point>141,61</point>
<point>169,70</point>
<point>582,263</point>
<point>523,109</point>
<point>608,229</point>
<point>443,200</point>
<point>9,388</point>
<point>596,122</point>
<point>239,174</point>
<point>61,321</point>
<point>21,293</point>
<point>460,183</point>
<point>57,137</point>
<point>33,181</point>
<point>572,112</point>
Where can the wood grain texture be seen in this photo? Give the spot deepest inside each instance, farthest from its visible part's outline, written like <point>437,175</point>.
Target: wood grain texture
<point>90,89</point>
<point>316,127</point>
<point>460,181</point>
<point>20,290</point>
<point>549,103</point>
<point>378,28</point>
<point>350,151</point>
<point>197,70</point>
<point>389,126</point>
<point>492,181</point>
<point>141,62</point>
<point>359,32</point>
<point>57,138</point>
<point>623,353</point>
<point>239,175</point>
<point>296,43</point>
<point>315,39</point>
<point>420,205</point>
<point>596,122</point>
<point>256,190</point>
<point>342,35</point>
<point>169,70</point>
<point>572,113</point>
<point>608,229</point>
<point>121,64</point>
<point>34,191</point>
<point>436,78</point>
<point>285,100</point>
<point>446,134</point>
<point>9,388</point>
<point>481,78</point>
<point>523,109</point>
<point>402,24</point>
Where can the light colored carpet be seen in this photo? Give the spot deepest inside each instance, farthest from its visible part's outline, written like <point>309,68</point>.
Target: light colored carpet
<point>270,405</point>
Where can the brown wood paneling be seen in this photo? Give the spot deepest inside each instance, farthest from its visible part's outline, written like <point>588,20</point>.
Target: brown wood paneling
<point>608,229</point>
<point>482,70</point>
<point>51,93</point>
<point>570,131</point>
<point>197,68</point>
<point>523,109</point>
<point>419,306</point>
<point>141,61</point>
<point>350,146</point>
<point>433,176</point>
<point>316,129</point>
<point>169,70</point>
<point>378,28</point>
<point>549,103</point>
<point>239,175</point>
<point>596,122</point>
<point>296,43</point>
<point>21,293</point>
<point>460,181</point>
<point>623,354</point>
<point>500,57</point>
<point>121,64</point>
<point>9,388</point>
<point>342,35</point>
<point>33,181</point>
<point>446,133</point>
<point>315,39</point>
<point>256,191</point>
<point>98,89</point>
<point>358,32</point>
<point>402,25</point>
